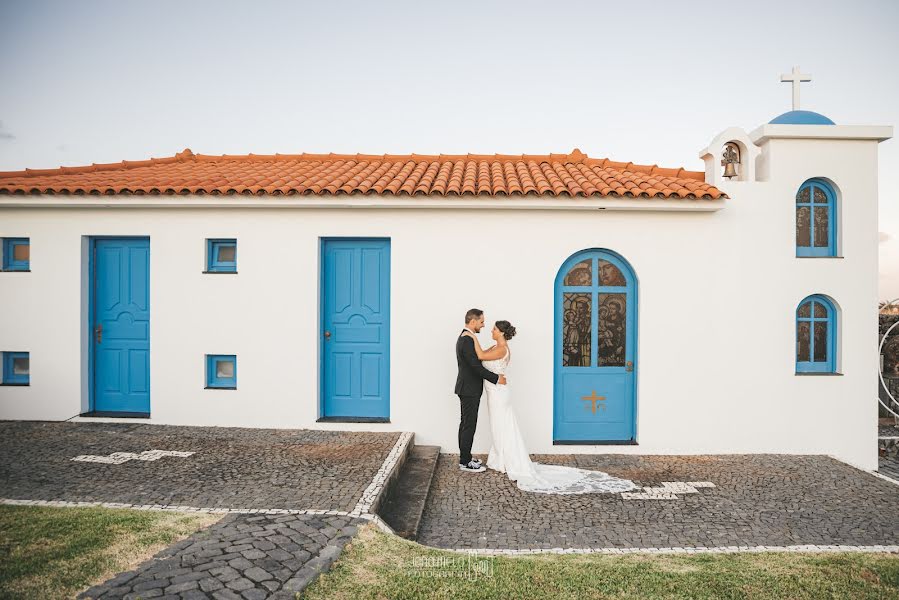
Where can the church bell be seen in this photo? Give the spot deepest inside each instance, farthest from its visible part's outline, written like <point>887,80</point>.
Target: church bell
<point>730,170</point>
<point>730,160</point>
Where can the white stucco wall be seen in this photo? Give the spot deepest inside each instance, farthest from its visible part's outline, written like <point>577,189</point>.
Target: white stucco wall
<point>717,296</point>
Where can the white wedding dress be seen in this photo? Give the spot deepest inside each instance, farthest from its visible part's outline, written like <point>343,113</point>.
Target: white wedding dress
<point>509,455</point>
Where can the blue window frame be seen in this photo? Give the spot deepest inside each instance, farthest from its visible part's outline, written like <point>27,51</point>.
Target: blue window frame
<point>221,256</point>
<point>221,371</point>
<point>16,368</point>
<point>16,254</point>
<point>816,336</point>
<point>816,222</point>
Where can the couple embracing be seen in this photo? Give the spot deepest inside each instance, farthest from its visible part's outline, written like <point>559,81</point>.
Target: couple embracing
<point>485,370</point>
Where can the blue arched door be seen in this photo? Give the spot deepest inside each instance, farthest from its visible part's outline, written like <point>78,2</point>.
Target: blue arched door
<point>595,350</point>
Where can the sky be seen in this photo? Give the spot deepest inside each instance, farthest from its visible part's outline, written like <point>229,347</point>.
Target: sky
<point>649,82</point>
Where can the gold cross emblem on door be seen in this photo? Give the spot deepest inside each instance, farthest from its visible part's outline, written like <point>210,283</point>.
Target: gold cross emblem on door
<point>594,399</point>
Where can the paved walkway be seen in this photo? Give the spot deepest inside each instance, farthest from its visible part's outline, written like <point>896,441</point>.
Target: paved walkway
<point>295,497</point>
<point>224,467</point>
<point>757,500</point>
<point>242,557</point>
<point>754,501</point>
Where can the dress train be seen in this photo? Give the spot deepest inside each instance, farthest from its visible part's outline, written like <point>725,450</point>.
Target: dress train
<point>508,452</point>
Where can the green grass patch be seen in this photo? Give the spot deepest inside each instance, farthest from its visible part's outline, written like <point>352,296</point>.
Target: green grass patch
<point>49,552</point>
<point>377,565</point>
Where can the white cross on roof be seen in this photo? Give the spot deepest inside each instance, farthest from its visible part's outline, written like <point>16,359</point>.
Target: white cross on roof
<point>796,78</point>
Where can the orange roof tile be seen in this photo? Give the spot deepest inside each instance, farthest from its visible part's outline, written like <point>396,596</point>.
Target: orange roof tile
<point>573,174</point>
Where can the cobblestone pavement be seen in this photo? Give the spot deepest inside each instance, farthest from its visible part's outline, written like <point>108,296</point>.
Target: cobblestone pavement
<point>242,557</point>
<point>228,468</point>
<point>758,500</point>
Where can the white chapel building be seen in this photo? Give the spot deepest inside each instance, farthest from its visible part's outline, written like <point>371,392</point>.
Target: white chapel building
<point>658,310</point>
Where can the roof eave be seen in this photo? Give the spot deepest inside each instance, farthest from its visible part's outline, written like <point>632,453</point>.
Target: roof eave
<point>339,200</point>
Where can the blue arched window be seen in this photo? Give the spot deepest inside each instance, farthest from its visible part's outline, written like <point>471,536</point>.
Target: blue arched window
<point>816,226</point>
<point>816,320</point>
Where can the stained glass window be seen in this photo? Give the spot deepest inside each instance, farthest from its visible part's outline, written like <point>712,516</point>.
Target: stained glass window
<point>580,274</point>
<point>594,312</point>
<point>612,335</point>
<point>815,219</point>
<point>815,331</point>
<point>576,329</point>
<point>821,229</point>
<point>609,274</point>
<point>820,341</point>
<point>803,226</point>
<point>803,343</point>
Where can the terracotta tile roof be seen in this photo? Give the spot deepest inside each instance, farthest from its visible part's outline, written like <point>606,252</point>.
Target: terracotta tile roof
<point>573,174</point>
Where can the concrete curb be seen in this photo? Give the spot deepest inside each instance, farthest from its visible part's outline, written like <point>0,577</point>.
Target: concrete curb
<point>892,549</point>
<point>377,490</point>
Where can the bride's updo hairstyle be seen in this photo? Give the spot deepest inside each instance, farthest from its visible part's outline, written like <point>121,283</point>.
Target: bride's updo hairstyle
<point>506,328</point>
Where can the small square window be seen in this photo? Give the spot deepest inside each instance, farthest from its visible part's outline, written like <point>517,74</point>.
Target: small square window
<point>226,254</point>
<point>221,371</point>
<point>16,254</point>
<point>221,256</point>
<point>16,368</point>
<point>224,369</point>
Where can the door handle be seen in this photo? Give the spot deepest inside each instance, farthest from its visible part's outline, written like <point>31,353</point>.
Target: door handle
<point>629,365</point>
<point>327,335</point>
<point>99,331</point>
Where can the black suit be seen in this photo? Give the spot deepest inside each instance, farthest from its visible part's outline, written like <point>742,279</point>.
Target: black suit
<point>469,387</point>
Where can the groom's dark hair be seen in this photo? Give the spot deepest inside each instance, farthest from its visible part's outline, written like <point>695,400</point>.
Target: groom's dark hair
<point>473,313</point>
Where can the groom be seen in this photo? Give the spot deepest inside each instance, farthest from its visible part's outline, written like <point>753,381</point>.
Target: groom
<point>469,387</point>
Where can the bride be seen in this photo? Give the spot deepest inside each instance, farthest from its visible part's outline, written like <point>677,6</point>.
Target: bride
<point>509,455</point>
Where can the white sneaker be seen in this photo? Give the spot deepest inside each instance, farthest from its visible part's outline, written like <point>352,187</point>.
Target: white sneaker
<point>472,467</point>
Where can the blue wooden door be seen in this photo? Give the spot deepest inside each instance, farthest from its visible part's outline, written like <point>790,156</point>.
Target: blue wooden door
<point>595,337</point>
<point>356,328</point>
<point>120,327</point>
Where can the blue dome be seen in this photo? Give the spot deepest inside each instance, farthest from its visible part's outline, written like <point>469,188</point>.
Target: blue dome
<point>801,117</point>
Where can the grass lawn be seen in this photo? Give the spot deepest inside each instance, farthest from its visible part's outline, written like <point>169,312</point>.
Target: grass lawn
<point>376,565</point>
<point>52,553</point>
